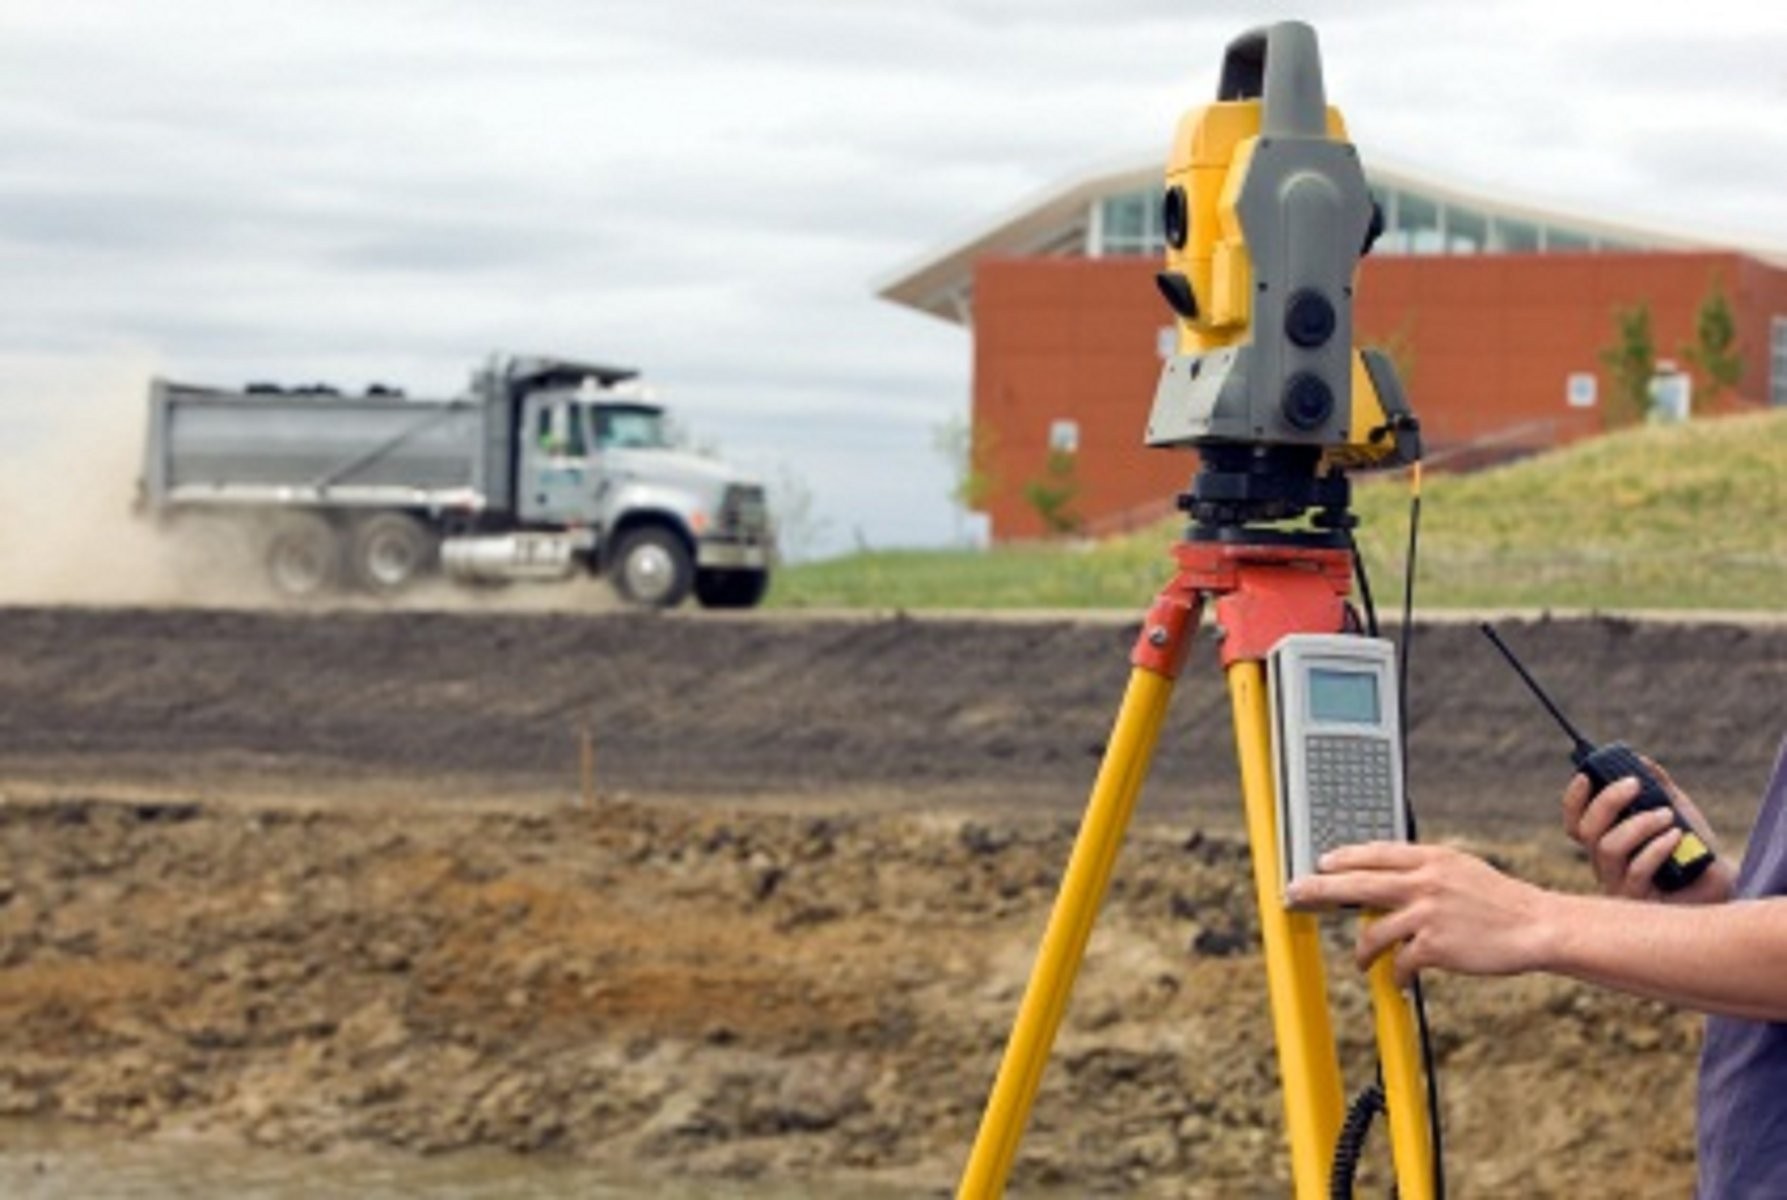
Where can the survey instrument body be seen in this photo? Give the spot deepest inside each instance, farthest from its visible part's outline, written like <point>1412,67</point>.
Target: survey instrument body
<point>1266,216</point>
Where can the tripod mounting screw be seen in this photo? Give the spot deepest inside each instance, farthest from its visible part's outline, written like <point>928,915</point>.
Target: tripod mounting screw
<point>1158,637</point>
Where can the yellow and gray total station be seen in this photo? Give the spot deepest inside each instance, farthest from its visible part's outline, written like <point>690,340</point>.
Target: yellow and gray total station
<point>1266,217</point>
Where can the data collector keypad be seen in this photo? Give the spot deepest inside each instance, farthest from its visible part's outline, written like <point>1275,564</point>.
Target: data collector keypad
<point>1351,794</point>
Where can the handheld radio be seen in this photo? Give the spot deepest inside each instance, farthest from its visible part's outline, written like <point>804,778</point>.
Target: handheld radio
<point>1604,765</point>
<point>1336,746</point>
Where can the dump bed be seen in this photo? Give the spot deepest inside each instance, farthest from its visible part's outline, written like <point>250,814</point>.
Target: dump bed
<point>211,447</point>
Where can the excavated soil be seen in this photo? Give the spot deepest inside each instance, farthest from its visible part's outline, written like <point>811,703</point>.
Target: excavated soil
<point>320,881</point>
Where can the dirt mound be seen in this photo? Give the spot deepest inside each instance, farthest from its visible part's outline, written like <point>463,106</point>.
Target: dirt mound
<point>734,994</point>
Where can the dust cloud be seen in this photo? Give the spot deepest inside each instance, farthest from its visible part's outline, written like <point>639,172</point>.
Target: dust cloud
<point>68,532</point>
<point>71,454</point>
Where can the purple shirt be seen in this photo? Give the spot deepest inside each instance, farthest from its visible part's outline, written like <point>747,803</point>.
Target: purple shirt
<point>1743,1066</point>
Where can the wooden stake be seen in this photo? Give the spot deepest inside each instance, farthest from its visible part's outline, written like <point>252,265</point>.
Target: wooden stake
<point>587,760</point>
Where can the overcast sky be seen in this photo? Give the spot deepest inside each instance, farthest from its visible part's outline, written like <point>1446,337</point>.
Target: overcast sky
<point>390,189</point>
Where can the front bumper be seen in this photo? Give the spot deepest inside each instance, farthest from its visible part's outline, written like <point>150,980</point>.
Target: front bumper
<point>714,555</point>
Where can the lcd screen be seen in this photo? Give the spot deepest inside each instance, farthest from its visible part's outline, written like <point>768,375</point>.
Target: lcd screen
<point>1348,697</point>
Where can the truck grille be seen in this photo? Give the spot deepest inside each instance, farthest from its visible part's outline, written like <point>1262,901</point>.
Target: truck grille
<point>743,513</point>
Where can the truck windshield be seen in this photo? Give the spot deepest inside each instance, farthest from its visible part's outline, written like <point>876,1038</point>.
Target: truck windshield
<point>630,428</point>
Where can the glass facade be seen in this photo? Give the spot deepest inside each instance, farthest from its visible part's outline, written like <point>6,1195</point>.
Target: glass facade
<point>1414,223</point>
<point>1777,361</point>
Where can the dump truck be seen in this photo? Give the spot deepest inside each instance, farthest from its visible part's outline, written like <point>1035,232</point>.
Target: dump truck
<point>544,470</point>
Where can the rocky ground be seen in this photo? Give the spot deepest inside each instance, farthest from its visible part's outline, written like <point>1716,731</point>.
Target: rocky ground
<point>737,994</point>
<point>320,918</point>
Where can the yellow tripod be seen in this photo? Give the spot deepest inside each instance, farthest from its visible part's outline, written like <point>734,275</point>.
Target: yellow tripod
<point>1262,591</point>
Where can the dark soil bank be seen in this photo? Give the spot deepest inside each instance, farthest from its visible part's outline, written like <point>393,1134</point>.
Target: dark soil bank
<point>1013,711</point>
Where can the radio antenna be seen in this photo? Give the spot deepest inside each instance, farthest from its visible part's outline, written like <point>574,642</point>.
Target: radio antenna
<point>1584,747</point>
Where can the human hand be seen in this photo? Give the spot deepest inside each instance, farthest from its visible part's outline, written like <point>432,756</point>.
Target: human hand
<point>1625,855</point>
<point>1448,909</point>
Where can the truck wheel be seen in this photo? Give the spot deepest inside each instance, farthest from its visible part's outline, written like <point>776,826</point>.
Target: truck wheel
<point>652,568</point>
<point>303,556</point>
<point>731,589</point>
<point>389,552</point>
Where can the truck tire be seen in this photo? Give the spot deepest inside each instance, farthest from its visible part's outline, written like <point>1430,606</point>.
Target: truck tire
<point>652,568</point>
<point>730,589</point>
<point>303,556</point>
<point>390,551</point>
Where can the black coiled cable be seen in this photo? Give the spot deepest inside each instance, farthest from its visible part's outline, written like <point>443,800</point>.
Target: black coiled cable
<point>1351,1143</point>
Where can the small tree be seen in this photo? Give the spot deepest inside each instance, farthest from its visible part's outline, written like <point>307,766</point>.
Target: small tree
<point>969,450</point>
<point>1399,346</point>
<point>1053,492</point>
<point>1631,361</point>
<point>800,530</point>
<point>1713,352</point>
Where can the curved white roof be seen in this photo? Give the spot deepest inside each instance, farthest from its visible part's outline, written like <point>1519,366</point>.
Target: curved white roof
<point>1060,222</point>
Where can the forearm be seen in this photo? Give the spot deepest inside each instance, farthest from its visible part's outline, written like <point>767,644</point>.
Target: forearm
<point>1729,959</point>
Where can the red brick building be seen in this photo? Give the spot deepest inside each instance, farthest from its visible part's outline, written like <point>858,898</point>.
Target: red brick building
<point>1498,311</point>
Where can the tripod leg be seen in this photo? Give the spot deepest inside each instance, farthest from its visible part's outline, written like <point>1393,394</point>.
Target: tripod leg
<point>1405,1096</point>
<point>1308,1065</point>
<point>1120,777</point>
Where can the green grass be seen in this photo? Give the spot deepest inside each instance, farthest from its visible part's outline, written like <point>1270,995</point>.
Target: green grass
<point>1690,516</point>
<point>1099,576</point>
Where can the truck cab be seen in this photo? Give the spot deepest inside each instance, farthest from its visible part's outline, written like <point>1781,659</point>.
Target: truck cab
<point>600,459</point>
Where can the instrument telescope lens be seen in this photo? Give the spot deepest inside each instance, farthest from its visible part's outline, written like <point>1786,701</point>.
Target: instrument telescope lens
<point>1309,319</point>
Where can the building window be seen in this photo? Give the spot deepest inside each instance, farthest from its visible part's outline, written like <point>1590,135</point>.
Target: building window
<point>1777,361</point>
<point>1129,224</point>
<point>1389,201</point>
<point>1513,237</point>
<point>1467,230</point>
<point>1419,221</point>
<point>1564,240</point>
<point>1064,437</point>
